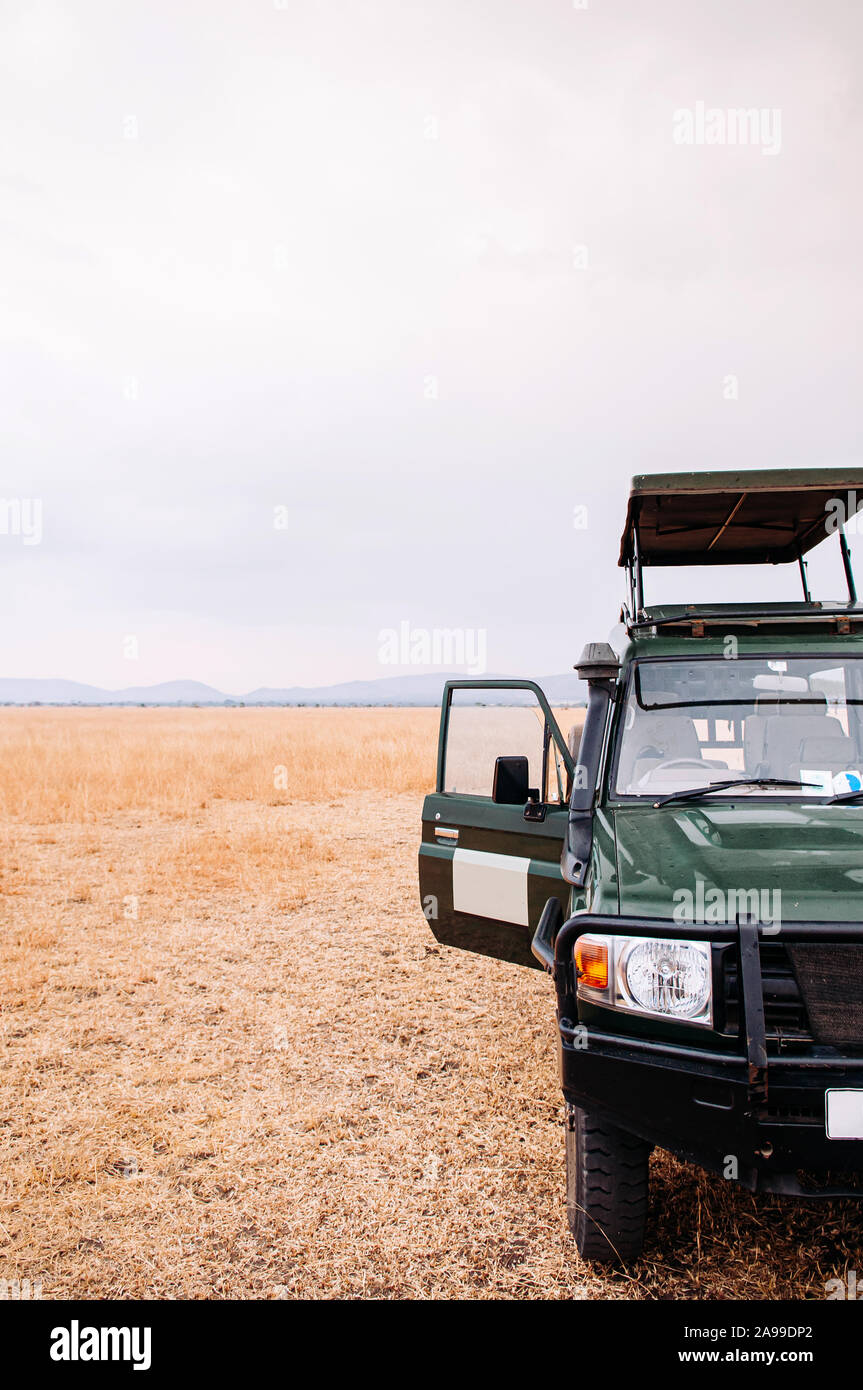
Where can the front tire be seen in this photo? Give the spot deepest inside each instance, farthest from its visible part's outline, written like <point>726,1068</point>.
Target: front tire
<point>606,1187</point>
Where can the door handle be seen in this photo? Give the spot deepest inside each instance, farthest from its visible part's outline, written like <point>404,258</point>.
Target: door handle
<point>443,832</point>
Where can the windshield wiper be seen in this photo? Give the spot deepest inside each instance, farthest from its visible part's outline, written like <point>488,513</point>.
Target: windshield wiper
<point>693,793</point>
<point>845,796</point>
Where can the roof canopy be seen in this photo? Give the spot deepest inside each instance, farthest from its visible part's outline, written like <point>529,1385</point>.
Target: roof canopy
<point>754,517</point>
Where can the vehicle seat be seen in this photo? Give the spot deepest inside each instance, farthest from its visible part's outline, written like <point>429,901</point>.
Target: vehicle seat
<point>827,754</point>
<point>653,739</point>
<point>786,736</point>
<point>767,708</point>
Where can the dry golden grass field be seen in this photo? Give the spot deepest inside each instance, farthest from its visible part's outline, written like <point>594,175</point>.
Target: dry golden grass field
<point>235,1064</point>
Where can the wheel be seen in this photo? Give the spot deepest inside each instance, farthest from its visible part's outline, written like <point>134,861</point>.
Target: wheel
<point>606,1188</point>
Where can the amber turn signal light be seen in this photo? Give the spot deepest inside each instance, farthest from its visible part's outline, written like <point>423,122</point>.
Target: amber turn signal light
<point>591,962</point>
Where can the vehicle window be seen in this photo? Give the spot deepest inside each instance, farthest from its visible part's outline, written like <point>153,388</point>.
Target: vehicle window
<point>556,777</point>
<point>690,723</point>
<point>477,734</point>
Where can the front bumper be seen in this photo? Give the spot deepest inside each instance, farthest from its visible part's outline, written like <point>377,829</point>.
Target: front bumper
<point>753,1118</point>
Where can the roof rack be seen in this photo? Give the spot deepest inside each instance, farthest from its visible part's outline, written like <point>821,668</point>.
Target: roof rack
<point>750,615</point>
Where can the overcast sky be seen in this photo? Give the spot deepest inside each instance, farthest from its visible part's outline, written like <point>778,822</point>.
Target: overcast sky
<point>427,275</point>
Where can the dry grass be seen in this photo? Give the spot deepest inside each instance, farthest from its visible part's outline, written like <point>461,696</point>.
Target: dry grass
<point>235,1064</point>
<point>78,765</point>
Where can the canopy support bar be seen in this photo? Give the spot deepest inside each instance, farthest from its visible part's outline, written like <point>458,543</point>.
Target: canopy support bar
<point>637,573</point>
<point>807,597</point>
<point>846,561</point>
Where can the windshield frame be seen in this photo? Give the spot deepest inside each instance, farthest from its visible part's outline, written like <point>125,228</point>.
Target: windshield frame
<point>774,795</point>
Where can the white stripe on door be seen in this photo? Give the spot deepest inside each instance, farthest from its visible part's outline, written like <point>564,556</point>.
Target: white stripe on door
<point>490,885</point>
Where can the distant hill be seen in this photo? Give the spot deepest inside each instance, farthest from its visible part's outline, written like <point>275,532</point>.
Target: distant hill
<point>62,692</point>
<point>171,693</point>
<point>390,690</point>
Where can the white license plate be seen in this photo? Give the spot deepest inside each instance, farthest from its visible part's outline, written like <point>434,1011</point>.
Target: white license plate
<point>844,1114</point>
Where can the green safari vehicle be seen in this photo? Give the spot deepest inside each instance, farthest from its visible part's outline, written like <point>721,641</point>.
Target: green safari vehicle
<point>688,866</point>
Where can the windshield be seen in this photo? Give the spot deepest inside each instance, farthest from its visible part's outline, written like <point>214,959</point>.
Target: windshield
<point>687,724</point>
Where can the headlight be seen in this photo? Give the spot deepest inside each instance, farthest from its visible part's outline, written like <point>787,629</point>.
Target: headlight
<point>666,977</point>
<point>647,975</point>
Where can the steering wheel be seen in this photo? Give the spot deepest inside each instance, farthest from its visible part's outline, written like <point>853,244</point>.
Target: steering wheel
<point>679,762</point>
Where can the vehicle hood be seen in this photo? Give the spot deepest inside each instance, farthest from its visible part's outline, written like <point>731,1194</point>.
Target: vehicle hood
<point>702,858</point>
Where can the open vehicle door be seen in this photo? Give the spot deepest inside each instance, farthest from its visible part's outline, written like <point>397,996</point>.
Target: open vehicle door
<point>493,830</point>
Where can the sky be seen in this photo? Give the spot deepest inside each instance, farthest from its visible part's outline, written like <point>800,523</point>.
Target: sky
<point>320,319</point>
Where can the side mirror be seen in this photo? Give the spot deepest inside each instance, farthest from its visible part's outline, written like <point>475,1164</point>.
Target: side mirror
<point>511,777</point>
